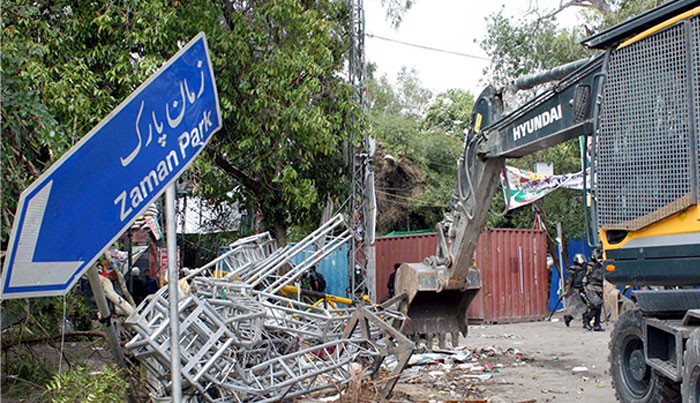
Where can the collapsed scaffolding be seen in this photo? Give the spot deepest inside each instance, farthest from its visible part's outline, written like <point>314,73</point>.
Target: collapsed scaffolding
<point>246,333</point>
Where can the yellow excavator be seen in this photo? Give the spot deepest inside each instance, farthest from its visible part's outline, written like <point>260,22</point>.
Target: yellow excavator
<point>638,100</point>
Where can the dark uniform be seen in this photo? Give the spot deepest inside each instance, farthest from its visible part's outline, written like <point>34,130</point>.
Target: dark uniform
<point>391,284</point>
<point>593,295</point>
<point>574,302</point>
<point>316,281</point>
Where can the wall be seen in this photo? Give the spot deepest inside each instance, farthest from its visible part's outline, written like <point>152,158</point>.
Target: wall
<point>513,271</point>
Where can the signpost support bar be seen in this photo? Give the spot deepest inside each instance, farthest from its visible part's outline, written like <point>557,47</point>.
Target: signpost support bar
<point>173,294</point>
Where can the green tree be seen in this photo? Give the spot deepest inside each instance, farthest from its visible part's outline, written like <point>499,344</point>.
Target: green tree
<point>520,46</point>
<point>286,109</point>
<point>415,185</point>
<point>451,113</point>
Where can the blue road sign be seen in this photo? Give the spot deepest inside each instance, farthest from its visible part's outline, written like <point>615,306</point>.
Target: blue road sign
<point>69,216</point>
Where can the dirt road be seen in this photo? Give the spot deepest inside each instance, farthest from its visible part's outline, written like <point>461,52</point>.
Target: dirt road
<point>532,362</point>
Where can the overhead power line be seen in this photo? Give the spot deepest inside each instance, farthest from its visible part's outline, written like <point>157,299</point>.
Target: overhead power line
<point>416,202</point>
<point>428,47</point>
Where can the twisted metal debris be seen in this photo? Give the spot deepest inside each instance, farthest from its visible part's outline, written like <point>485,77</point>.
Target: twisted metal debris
<point>244,337</point>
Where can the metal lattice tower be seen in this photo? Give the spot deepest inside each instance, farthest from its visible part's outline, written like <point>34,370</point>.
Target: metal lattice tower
<point>358,158</point>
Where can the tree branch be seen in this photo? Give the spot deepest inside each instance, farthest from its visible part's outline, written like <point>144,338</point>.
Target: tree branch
<point>251,184</point>
<point>16,378</point>
<point>68,335</point>
<point>600,5</point>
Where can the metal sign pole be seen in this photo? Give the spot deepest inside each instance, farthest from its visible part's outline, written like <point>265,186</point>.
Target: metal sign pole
<point>173,294</point>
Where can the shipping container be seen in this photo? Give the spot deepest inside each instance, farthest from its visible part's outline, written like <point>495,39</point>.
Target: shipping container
<point>399,249</point>
<point>513,267</point>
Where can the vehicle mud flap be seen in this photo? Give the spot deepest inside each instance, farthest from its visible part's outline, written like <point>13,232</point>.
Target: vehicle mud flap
<point>438,314</point>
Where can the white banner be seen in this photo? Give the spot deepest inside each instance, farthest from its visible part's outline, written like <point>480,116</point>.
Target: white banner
<point>524,187</point>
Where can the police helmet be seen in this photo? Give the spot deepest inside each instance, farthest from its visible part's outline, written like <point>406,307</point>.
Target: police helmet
<point>596,255</point>
<point>579,259</point>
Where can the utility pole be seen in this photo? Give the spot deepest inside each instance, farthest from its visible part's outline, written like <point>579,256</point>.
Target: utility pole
<point>358,162</point>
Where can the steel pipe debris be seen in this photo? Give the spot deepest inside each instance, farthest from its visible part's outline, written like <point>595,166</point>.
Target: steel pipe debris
<point>243,339</point>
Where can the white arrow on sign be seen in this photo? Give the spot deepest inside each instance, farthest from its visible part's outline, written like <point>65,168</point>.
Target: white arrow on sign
<point>37,273</point>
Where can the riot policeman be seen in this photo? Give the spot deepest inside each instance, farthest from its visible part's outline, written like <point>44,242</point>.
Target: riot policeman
<point>593,295</point>
<point>574,301</point>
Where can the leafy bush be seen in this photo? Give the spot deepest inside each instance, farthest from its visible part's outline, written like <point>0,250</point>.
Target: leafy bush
<point>81,384</point>
<point>26,366</point>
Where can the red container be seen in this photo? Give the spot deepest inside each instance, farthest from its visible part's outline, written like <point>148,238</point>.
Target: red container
<point>514,283</point>
<point>513,268</point>
<point>400,249</point>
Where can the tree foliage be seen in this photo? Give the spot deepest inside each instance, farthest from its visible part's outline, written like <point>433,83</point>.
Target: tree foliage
<point>286,109</point>
<point>395,9</point>
<point>422,135</point>
<point>81,384</point>
<point>451,113</point>
<point>519,47</point>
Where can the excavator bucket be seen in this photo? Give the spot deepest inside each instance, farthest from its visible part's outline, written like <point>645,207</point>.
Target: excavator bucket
<point>434,310</point>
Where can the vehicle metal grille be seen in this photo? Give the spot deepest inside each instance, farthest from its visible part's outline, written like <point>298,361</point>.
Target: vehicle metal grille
<point>643,166</point>
<point>695,55</point>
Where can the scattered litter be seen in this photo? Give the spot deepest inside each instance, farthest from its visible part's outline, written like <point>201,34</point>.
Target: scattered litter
<point>329,398</point>
<point>436,374</point>
<point>579,369</point>
<point>546,391</point>
<point>490,368</point>
<point>426,359</point>
<point>482,377</point>
<point>555,319</point>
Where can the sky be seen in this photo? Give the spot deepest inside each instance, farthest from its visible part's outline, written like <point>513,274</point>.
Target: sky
<point>453,25</point>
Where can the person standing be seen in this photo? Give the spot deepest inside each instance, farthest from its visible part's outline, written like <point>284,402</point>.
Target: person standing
<point>593,283</point>
<point>574,301</point>
<point>149,284</point>
<point>391,284</point>
<point>316,281</point>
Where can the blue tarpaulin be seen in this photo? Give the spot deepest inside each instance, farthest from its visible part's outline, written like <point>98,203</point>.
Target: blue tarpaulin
<point>334,269</point>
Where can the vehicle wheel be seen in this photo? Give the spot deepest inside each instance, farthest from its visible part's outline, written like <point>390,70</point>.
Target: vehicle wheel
<point>633,380</point>
<point>691,369</point>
